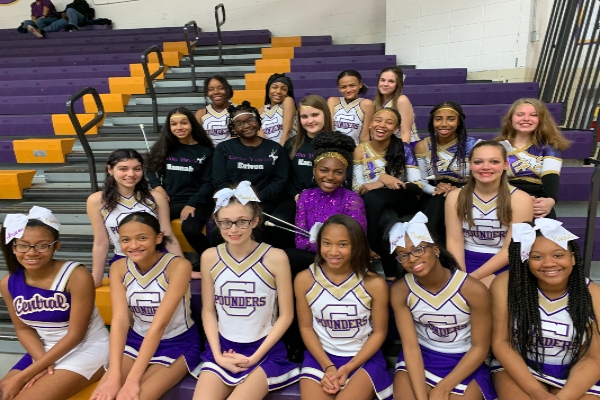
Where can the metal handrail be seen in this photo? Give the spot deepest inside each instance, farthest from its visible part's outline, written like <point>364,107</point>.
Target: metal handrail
<point>219,25</point>
<point>81,130</point>
<point>190,47</point>
<point>590,228</point>
<point>150,79</point>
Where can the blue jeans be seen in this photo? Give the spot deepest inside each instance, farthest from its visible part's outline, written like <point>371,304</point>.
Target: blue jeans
<point>74,18</point>
<point>40,23</point>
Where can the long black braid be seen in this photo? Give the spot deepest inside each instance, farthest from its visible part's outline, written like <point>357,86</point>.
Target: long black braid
<point>394,154</point>
<point>461,136</point>
<point>524,315</point>
<point>288,83</point>
<point>245,107</point>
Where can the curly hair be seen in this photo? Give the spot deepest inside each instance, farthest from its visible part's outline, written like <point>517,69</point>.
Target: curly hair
<point>461,137</point>
<point>334,142</point>
<point>524,315</point>
<point>351,72</point>
<point>228,88</point>
<point>378,101</point>
<point>244,107</point>
<point>272,79</point>
<point>168,141</point>
<point>547,133</point>
<point>315,101</point>
<point>110,193</point>
<point>394,154</point>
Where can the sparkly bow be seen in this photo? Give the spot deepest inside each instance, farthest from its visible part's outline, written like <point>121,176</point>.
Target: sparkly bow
<point>314,231</point>
<point>243,192</point>
<point>550,229</point>
<point>415,229</point>
<point>15,223</point>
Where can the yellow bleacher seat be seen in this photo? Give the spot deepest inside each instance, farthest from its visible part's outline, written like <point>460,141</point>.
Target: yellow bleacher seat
<point>63,126</point>
<point>86,393</point>
<point>273,66</point>
<point>43,150</point>
<point>289,41</point>
<point>12,183</point>
<point>183,243</point>
<point>269,53</point>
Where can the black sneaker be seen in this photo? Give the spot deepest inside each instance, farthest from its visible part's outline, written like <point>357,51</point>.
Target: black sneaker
<point>70,28</point>
<point>37,33</point>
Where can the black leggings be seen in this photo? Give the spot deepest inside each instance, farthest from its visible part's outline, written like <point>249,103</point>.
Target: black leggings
<point>382,205</point>
<point>192,226</point>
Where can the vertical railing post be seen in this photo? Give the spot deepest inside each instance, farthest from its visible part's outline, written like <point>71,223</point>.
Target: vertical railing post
<point>150,81</point>
<point>190,47</point>
<point>219,24</point>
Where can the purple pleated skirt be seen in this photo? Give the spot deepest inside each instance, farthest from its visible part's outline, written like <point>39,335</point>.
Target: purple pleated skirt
<point>439,365</point>
<point>169,350</point>
<point>375,367</point>
<point>280,372</point>
<point>551,375</point>
<point>474,260</point>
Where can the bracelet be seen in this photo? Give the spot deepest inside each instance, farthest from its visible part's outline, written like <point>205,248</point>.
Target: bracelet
<point>332,365</point>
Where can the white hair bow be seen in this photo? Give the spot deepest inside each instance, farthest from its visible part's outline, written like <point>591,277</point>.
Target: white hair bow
<point>314,231</point>
<point>415,229</point>
<point>15,223</point>
<point>243,192</point>
<point>550,229</point>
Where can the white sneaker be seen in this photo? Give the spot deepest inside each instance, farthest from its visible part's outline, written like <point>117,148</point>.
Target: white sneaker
<point>35,31</point>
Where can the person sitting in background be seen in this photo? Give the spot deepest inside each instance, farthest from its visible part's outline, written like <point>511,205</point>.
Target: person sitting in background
<point>77,13</point>
<point>43,13</point>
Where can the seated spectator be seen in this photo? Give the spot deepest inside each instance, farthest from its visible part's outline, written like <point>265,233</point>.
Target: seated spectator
<point>43,13</point>
<point>77,13</point>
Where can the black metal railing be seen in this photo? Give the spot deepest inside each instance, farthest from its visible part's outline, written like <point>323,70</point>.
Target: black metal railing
<point>191,46</point>
<point>220,23</point>
<point>569,66</point>
<point>150,81</point>
<point>81,130</point>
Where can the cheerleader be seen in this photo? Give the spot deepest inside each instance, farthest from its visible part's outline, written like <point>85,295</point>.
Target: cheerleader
<point>390,83</point>
<point>342,311</point>
<point>546,341</point>
<point>51,305</point>
<point>443,161</point>
<point>180,167</point>
<point>213,118</point>
<point>534,144</point>
<point>352,114</point>
<point>125,191</point>
<point>278,113</point>
<point>443,317</point>
<point>153,287</point>
<point>247,305</point>
<point>387,175</point>
<point>478,216</point>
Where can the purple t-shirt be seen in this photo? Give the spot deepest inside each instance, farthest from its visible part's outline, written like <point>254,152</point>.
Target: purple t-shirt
<point>37,8</point>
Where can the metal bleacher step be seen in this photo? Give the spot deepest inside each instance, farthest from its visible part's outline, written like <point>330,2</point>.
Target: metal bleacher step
<point>74,173</point>
<point>230,49</point>
<point>112,138</point>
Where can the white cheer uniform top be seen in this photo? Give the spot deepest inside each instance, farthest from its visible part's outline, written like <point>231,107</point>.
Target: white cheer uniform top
<point>348,118</point>
<point>215,124</point>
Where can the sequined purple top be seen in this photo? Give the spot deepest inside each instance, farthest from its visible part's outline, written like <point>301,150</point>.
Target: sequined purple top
<point>314,205</point>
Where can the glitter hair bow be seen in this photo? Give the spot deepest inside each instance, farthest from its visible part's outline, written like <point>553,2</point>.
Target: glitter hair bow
<point>243,192</point>
<point>550,229</point>
<point>15,223</point>
<point>415,229</point>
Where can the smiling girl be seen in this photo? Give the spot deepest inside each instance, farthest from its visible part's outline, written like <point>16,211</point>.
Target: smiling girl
<point>279,110</point>
<point>479,216</point>
<point>247,305</point>
<point>340,290</point>
<point>546,341</point>
<point>153,288</point>
<point>51,305</point>
<point>534,144</point>
<point>387,175</point>
<point>213,117</point>
<point>125,191</point>
<point>352,114</point>
<point>443,317</point>
<point>180,167</point>
<point>389,94</point>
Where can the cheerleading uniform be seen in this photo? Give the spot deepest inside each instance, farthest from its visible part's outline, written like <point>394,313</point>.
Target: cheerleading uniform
<point>348,118</point>
<point>215,124</point>
<point>48,311</point>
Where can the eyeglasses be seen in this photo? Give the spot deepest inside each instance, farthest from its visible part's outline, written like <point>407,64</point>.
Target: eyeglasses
<point>416,251</point>
<point>249,121</point>
<point>39,248</point>
<point>240,223</point>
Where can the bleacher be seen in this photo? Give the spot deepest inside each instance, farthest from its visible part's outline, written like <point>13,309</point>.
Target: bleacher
<point>42,163</point>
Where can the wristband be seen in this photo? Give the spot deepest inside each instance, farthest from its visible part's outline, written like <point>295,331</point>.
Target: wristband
<point>326,368</point>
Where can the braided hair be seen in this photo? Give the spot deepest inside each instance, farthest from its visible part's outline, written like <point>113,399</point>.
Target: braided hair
<point>288,83</point>
<point>335,142</point>
<point>245,107</point>
<point>446,258</point>
<point>524,315</point>
<point>461,137</point>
